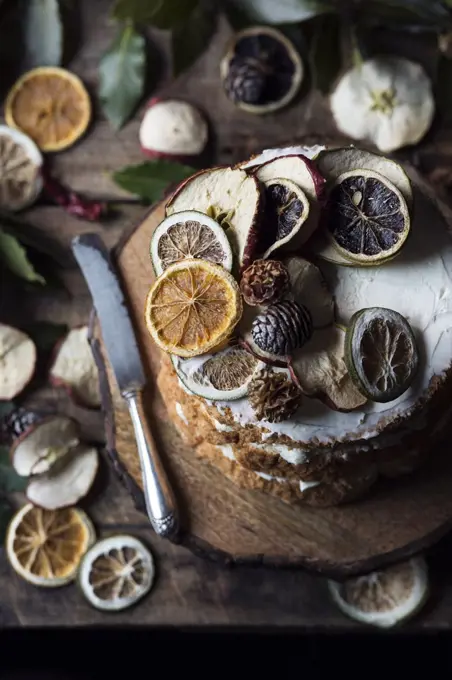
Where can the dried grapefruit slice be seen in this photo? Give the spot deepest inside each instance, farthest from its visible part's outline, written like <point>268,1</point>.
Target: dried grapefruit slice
<point>51,105</point>
<point>193,308</point>
<point>116,572</point>
<point>384,598</point>
<point>189,234</point>
<point>367,217</point>
<point>45,546</point>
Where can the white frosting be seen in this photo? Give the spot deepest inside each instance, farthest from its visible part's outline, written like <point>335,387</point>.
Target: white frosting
<point>227,451</point>
<point>180,413</point>
<point>307,485</point>
<point>418,284</point>
<point>292,456</point>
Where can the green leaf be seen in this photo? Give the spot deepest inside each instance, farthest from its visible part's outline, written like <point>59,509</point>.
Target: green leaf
<point>122,72</point>
<point>190,39</point>
<point>45,335</point>
<point>325,52</point>
<point>150,179</point>
<point>14,257</point>
<point>161,13</point>
<point>6,407</point>
<point>43,33</point>
<point>6,513</point>
<point>283,11</point>
<point>10,481</point>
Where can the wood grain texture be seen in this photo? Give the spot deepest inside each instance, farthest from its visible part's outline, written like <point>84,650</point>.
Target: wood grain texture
<point>229,524</point>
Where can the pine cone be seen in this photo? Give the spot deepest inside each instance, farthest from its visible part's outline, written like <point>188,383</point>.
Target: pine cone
<point>282,328</point>
<point>265,282</point>
<point>273,396</point>
<point>244,82</point>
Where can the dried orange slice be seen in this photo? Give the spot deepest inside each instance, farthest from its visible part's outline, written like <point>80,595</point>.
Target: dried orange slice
<point>51,105</point>
<point>45,546</point>
<point>193,307</point>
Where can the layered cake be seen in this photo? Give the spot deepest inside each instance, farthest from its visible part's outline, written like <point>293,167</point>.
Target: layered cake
<point>303,305</point>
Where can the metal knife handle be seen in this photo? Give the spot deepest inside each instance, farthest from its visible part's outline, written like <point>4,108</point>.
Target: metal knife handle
<point>160,501</point>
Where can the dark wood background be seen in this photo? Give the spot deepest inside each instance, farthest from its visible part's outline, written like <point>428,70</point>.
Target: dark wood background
<point>188,590</point>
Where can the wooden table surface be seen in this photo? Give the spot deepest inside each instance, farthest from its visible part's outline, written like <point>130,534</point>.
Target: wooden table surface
<point>188,590</point>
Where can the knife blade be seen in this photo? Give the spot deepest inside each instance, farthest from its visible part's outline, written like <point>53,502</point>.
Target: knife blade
<point>124,356</point>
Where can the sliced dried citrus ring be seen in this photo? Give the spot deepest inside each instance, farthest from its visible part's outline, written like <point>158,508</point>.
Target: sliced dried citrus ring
<point>367,217</point>
<point>51,105</point>
<point>286,211</point>
<point>116,572</point>
<point>20,165</point>
<point>45,546</point>
<point>381,353</point>
<point>193,307</point>
<point>384,598</point>
<point>189,234</point>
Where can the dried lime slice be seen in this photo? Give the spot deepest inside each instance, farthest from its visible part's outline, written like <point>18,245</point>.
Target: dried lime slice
<point>189,234</point>
<point>116,572</point>
<point>381,353</point>
<point>367,217</point>
<point>223,376</point>
<point>286,211</point>
<point>384,598</point>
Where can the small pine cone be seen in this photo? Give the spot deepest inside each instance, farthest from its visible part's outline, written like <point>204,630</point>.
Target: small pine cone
<point>244,82</point>
<point>282,328</point>
<point>265,282</point>
<point>273,396</point>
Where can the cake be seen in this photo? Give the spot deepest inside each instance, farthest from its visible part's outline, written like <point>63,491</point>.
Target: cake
<point>331,445</point>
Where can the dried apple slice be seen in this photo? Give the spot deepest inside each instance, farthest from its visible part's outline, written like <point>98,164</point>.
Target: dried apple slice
<point>75,369</point>
<point>43,444</point>
<point>309,288</point>
<point>229,192</point>
<point>17,361</point>
<point>322,373</point>
<point>66,482</point>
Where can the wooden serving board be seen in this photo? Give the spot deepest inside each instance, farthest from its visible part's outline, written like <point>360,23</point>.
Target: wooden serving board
<point>231,525</point>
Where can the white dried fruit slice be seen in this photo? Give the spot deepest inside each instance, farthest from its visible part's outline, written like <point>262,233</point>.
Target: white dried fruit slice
<point>189,234</point>
<point>116,573</point>
<point>224,376</point>
<point>75,369</point>
<point>43,444</point>
<point>45,546</point>
<point>20,169</point>
<point>225,191</point>
<point>309,288</point>
<point>334,162</point>
<point>286,214</point>
<point>367,217</point>
<point>17,361</point>
<point>322,372</point>
<point>66,483</point>
<point>266,155</point>
<point>384,598</point>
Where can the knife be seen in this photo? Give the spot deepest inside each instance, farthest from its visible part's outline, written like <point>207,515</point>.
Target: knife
<point>123,353</point>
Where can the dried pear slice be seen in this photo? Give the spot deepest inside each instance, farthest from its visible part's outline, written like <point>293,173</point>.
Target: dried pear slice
<point>367,217</point>
<point>286,213</point>
<point>224,376</point>
<point>334,162</point>
<point>381,353</point>
<point>229,192</point>
<point>116,573</point>
<point>189,234</point>
<point>384,598</point>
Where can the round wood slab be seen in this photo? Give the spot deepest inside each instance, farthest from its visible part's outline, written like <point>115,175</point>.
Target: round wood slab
<point>231,525</point>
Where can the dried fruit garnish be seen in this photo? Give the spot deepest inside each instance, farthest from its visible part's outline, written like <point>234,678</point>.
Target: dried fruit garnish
<point>309,288</point>
<point>264,282</point>
<point>367,217</point>
<point>384,598</point>
<point>273,395</point>
<point>223,376</point>
<point>286,211</point>
<point>45,546</point>
<point>17,361</point>
<point>193,307</point>
<point>262,71</point>
<point>189,234</point>
<point>20,165</point>
<point>116,572</point>
<point>51,105</point>
<point>282,328</point>
<point>173,128</point>
<point>381,353</point>
<point>71,201</point>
